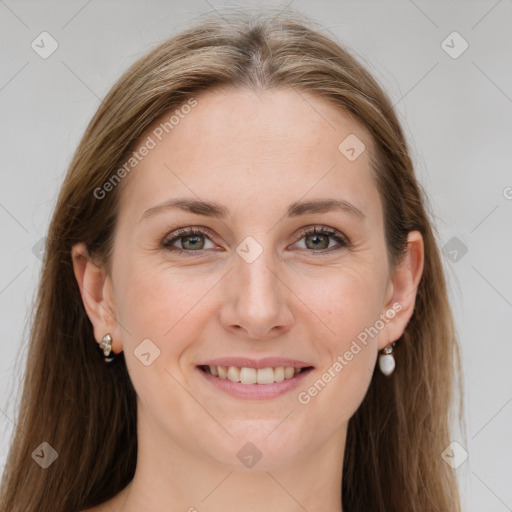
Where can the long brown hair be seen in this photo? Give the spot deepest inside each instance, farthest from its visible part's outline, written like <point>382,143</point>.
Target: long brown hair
<point>86,410</point>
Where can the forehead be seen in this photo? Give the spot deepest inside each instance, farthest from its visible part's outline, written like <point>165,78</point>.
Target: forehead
<point>258,149</point>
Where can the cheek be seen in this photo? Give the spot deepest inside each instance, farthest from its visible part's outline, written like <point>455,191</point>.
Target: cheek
<point>161,307</point>
<point>163,304</point>
<point>349,303</point>
<point>347,299</point>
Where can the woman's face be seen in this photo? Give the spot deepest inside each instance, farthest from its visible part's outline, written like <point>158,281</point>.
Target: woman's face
<point>251,285</point>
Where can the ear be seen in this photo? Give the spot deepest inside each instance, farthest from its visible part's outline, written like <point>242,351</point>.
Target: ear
<point>401,292</point>
<point>97,296</point>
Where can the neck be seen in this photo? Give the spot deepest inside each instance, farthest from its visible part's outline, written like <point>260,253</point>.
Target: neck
<point>171,476</point>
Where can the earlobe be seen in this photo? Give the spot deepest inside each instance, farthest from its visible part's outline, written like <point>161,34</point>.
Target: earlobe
<point>95,290</point>
<point>402,290</point>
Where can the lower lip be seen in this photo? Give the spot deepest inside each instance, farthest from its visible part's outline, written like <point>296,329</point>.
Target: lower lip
<point>255,391</point>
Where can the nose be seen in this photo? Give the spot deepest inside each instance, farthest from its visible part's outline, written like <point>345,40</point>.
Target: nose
<point>257,305</point>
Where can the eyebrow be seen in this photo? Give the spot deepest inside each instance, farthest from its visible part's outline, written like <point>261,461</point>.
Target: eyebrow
<point>215,210</point>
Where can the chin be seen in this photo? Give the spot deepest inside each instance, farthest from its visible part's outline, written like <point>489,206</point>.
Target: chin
<point>258,445</point>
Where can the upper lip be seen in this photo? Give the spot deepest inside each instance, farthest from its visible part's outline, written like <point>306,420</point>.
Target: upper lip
<point>246,362</point>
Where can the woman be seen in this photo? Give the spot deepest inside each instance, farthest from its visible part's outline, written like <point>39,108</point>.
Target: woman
<point>242,303</point>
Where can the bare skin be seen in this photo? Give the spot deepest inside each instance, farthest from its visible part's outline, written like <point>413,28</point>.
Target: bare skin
<point>255,154</point>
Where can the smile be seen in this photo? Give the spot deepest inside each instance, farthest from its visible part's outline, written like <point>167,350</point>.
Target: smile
<point>254,383</point>
<point>246,375</point>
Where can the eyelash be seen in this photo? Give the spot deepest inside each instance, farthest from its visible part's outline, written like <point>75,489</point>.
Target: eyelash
<point>184,232</point>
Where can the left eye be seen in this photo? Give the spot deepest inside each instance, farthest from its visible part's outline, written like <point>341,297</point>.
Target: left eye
<point>193,239</point>
<point>318,237</point>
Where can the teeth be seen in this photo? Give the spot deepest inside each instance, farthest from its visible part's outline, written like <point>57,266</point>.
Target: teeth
<point>248,375</point>
<point>289,372</point>
<point>254,375</point>
<point>267,375</point>
<point>279,374</point>
<point>234,374</point>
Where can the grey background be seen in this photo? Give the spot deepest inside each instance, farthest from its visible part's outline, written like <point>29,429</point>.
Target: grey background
<point>456,114</point>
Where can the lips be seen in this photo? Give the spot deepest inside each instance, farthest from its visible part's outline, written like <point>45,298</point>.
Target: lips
<point>254,383</point>
<point>250,371</point>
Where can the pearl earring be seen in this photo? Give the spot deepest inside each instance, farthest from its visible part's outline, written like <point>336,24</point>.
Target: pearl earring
<point>106,346</point>
<point>387,360</point>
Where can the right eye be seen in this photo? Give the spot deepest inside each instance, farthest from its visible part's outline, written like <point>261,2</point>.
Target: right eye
<point>191,237</point>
